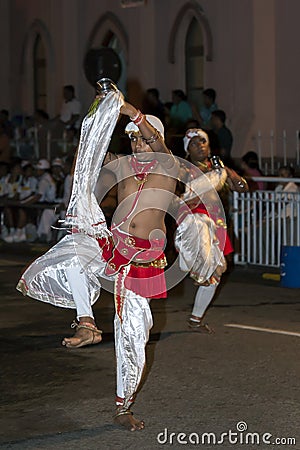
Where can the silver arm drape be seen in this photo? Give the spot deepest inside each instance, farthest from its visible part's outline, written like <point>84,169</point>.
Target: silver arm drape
<point>83,211</point>
<point>206,182</point>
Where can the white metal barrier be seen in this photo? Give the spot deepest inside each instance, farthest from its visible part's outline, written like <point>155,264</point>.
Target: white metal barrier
<point>263,222</point>
<point>31,144</point>
<point>273,150</point>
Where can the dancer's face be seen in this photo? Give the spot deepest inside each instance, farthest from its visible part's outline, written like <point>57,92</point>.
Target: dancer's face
<point>198,148</point>
<point>138,144</point>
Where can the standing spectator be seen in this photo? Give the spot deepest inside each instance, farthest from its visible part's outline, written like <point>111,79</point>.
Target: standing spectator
<point>250,168</point>
<point>153,104</point>
<point>209,105</point>
<point>180,112</point>
<point>70,108</point>
<point>69,117</point>
<point>224,135</point>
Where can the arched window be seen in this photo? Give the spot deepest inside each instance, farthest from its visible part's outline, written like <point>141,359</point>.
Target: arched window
<point>194,56</point>
<point>112,41</point>
<point>109,33</point>
<point>39,74</point>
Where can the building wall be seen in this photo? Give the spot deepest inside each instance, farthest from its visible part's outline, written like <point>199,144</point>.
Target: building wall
<point>254,66</point>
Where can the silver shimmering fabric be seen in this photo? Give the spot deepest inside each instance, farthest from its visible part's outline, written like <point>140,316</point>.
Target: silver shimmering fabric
<point>83,211</point>
<point>215,179</point>
<point>198,247</point>
<point>46,278</point>
<point>131,337</point>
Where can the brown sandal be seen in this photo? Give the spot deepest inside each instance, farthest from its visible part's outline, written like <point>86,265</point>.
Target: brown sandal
<point>200,327</point>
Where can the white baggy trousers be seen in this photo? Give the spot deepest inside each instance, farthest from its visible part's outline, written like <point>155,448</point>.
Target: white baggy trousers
<point>68,276</point>
<point>131,332</point>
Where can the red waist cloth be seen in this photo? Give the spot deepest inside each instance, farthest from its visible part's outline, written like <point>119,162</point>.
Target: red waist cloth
<point>124,249</point>
<point>221,232</point>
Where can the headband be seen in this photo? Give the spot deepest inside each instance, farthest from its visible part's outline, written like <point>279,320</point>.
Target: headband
<point>192,132</point>
<point>154,121</point>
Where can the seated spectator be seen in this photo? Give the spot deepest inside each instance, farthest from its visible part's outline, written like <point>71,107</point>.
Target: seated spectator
<point>28,185</point>
<point>13,182</point>
<point>27,188</point>
<point>285,188</point>
<point>250,168</point>
<point>224,135</point>
<point>4,171</point>
<point>46,188</point>
<point>50,216</point>
<point>58,175</point>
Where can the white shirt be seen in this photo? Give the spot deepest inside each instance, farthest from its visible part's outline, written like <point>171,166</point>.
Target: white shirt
<point>27,187</point>
<point>69,109</point>
<point>286,199</point>
<point>46,188</point>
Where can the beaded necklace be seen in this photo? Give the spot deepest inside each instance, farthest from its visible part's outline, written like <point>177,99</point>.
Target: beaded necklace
<point>141,169</point>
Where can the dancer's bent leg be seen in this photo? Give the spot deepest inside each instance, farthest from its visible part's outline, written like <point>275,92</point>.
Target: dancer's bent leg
<point>203,298</point>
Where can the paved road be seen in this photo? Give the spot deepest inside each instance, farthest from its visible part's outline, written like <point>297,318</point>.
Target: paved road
<point>54,398</point>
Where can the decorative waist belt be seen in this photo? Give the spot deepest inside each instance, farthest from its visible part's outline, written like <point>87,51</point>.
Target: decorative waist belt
<point>145,258</point>
<point>160,263</point>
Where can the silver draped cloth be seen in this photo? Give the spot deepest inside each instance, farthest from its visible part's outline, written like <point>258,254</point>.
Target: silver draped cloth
<point>83,212</point>
<point>199,249</point>
<point>196,237</point>
<point>205,184</point>
<point>45,279</point>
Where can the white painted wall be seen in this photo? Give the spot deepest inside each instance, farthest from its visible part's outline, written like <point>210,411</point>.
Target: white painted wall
<point>255,67</point>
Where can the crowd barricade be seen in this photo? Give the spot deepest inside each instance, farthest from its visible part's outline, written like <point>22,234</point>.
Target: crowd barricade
<point>269,146</point>
<point>34,147</point>
<point>264,221</point>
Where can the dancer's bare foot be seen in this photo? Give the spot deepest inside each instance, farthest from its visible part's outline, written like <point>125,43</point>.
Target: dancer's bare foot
<point>86,334</point>
<point>126,420</point>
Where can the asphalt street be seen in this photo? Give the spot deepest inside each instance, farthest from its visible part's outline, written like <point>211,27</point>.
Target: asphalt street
<point>242,381</point>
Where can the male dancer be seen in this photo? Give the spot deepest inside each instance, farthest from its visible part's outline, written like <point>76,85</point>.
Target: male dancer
<point>132,252</point>
<point>205,224</point>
